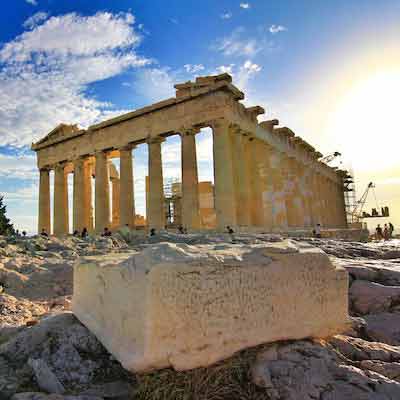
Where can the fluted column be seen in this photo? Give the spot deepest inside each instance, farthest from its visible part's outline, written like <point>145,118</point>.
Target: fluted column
<point>116,188</point>
<point>317,219</point>
<point>190,182</point>
<point>127,204</point>
<point>225,204</point>
<point>102,192</point>
<point>307,193</point>
<point>241,177</point>
<point>79,204</point>
<point>279,212</point>
<point>252,155</point>
<point>156,217</point>
<point>44,201</point>
<point>61,222</point>
<point>263,157</point>
<point>295,201</point>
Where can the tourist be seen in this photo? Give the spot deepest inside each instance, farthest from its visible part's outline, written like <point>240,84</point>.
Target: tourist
<point>230,230</point>
<point>386,234</point>
<point>317,231</point>
<point>391,229</point>
<point>76,233</point>
<point>152,232</point>
<point>44,233</point>
<point>180,229</point>
<point>378,232</point>
<point>84,233</point>
<point>106,232</point>
<point>24,233</point>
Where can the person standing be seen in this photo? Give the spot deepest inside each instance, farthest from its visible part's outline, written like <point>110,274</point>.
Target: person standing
<point>378,232</point>
<point>391,229</point>
<point>386,232</point>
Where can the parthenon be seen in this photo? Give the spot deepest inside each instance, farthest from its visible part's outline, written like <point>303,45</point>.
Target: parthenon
<point>265,177</point>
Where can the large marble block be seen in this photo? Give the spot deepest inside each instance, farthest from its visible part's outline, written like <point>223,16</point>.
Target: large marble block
<point>190,306</point>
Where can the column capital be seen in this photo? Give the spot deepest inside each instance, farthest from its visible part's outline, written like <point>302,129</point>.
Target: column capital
<point>128,147</point>
<point>188,131</point>
<point>219,123</point>
<point>155,140</point>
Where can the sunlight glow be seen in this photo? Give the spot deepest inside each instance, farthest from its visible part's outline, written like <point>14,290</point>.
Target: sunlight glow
<point>366,121</point>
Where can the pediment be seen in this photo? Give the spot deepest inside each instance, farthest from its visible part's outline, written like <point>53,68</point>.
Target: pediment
<point>60,132</point>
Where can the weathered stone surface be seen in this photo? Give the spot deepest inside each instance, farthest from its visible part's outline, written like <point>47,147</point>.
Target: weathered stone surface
<point>189,306</point>
<point>383,327</point>
<point>359,349</point>
<point>307,371</point>
<point>44,396</point>
<point>45,377</point>
<point>369,297</point>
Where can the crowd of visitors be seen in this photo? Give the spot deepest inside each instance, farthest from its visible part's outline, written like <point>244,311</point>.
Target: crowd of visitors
<point>384,233</point>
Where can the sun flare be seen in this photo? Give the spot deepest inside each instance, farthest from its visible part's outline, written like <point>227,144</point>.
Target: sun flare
<point>366,121</point>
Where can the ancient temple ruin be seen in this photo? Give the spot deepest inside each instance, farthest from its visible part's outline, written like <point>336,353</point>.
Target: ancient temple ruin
<point>265,177</point>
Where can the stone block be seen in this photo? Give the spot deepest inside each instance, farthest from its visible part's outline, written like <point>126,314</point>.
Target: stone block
<point>189,306</point>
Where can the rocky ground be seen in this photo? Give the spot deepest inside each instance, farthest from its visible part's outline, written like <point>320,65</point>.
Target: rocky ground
<point>44,349</point>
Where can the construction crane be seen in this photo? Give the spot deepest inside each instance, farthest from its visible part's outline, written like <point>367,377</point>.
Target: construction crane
<point>330,157</point>
<point>358,213</point>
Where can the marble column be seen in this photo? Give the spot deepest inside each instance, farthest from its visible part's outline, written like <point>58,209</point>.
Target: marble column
<point>295,200</point>
<point>115,214</point>
<point>252,155</point>
<point>82,201</point>
<point>127,204</point>
<point>225,203</point>
<point>241,177</point>
<point>190,182</point>
<point>263,156</point>
<point>44,201</point>
<point>61,220</point>
<point>102,192</point>
<point>156,217</point>
<point>279,212</point>
<point>317,219</point>
<point>307,193</point>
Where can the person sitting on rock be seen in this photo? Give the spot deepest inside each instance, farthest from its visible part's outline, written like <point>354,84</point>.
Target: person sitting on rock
<point>44,233</point>
<point>106,232</point>
<point>84,233</point>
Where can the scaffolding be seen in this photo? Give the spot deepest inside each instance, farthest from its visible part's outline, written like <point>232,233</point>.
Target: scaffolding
<point>172,202</point>
<point>350,196</point>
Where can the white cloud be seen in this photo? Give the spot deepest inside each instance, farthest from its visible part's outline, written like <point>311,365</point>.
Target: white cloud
<point>18,167</point>
<point>154,84</point>
<point>241,73</point>
<point>193,68</point>
<point>277,28</point>
<point>33,2</point>
<point>236,45</point>
<point>226,15</point>
<point>246,6</point>
<point>35,20</point>
<point>44,72</point>
<point>228,69</point>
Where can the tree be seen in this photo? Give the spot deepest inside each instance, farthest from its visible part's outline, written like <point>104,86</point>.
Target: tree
<point>6,227</point>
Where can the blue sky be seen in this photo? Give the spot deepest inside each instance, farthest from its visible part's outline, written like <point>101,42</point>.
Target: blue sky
<point>83,61</point>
